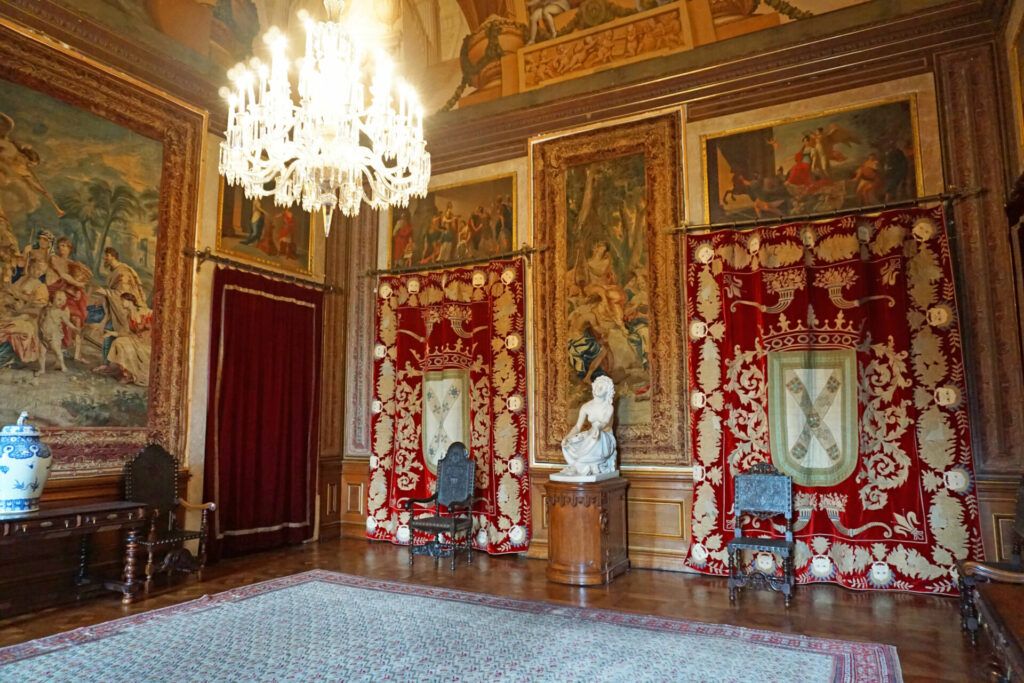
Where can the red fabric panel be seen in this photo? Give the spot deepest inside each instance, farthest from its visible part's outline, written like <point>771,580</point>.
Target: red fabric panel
<point>263,419</point>
<point>833,351</point>
<point>468,322</point>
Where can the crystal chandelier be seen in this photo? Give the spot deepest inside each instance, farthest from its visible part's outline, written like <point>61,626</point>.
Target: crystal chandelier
<point>356,133</point>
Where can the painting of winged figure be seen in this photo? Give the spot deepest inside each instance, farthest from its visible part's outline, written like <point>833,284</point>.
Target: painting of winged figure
<point>840,160</point>
<point>78,233</point>
<point>608,304</point>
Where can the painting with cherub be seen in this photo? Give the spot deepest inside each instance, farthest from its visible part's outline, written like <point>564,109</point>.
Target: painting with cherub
<point>78,239</point>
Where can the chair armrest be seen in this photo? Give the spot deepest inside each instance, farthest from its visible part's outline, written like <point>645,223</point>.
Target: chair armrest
<point>192,506</point>
<point>984,571</point>
<point>419,501</point>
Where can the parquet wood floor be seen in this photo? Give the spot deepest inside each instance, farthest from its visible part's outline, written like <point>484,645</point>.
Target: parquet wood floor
<point>925,629</point>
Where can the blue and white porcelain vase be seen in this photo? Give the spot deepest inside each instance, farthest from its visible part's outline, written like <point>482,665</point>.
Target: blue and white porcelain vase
<point>25,464</point>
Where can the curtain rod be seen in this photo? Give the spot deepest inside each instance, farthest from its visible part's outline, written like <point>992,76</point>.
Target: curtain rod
<point>208,255</point>
<point>950,194</point>
<point>523,252</point>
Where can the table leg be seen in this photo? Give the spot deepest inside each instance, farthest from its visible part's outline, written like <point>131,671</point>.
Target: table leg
<point>82,578</point>
<point>130,561</point>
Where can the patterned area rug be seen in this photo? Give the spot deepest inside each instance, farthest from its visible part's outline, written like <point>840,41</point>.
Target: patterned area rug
<point>323,625</point>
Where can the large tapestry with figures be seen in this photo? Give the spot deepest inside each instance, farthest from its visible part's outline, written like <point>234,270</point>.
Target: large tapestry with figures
<point>99,188</point>
<point>608,284</point>
<point>833,351</point>
<point>450,365</point>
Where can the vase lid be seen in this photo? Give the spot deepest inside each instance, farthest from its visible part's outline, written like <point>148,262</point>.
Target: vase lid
<point>21,428</point>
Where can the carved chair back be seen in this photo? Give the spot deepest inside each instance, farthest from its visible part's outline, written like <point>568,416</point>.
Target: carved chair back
<point>456,474</point>
<point>763,492</point>
<point>151,477</point>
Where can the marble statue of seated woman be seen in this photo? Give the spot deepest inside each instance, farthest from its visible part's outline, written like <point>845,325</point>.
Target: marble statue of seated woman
<point>592,452</point>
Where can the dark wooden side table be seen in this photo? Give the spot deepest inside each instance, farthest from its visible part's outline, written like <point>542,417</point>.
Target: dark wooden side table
<point>1001,609</point>
<point>586,531</point>
<point>84,521</point>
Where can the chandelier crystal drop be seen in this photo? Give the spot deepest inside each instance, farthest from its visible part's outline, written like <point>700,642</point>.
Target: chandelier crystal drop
<point>355,135</point>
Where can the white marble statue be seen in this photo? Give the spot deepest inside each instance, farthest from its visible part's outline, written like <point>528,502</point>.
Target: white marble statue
<point>591,454</point>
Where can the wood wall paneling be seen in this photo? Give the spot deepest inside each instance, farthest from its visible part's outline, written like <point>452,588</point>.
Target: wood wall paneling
<point>973,150</point>
<point>355,475</point>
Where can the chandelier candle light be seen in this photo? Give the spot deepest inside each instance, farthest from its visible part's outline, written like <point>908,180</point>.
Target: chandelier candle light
<point>355,135</point>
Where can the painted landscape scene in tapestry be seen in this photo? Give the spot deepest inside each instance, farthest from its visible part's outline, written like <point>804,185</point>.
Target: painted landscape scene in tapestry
<point>78,237</point>
<point>474,220</point>
<point>259,230</point>
<point>837,161</point>
<point>608,301</point>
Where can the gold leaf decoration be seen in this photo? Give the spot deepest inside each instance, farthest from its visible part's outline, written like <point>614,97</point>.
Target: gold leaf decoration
<point>888,239</point>
<point>377,490</point>
<point>709,302</point>
<point>709,437</point>
<point>508,496</point>
<point>709,372</point>
<point>782,254</point>
<point>936,438</point>
<point>735,255</point>
<point>506,436</point>
<point>387,326</point>
<point>923,272</point>
<point>946,521</point>
<point>838,247</point>
<point>913,564</point>
<point>930,365</point>
<point>705,511</point>
<point>431,295</point>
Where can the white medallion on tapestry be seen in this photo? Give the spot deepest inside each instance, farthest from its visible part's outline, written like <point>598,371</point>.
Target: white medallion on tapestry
<point>812,398</point>
<point>445,412</point>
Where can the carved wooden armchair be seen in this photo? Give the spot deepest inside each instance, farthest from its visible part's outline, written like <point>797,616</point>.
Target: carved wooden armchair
<point>764,493</point>
<point>973,573</point>
<point>453,509</point>
<point>151,477</point>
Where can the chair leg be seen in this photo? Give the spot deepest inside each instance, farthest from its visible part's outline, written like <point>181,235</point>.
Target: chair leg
<point>732,576</point>
<point>469,546</point>
<point>412,542</point>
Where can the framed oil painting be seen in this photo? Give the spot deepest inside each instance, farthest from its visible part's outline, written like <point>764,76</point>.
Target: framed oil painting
<point>98,187</point>
<point>468,220</point>
<point>260,232</point>
<point>839,159</point>
<point>818,153</point>
<point>607,286</point>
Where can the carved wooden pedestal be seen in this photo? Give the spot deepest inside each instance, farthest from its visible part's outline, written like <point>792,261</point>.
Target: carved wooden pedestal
<point>586,531</point>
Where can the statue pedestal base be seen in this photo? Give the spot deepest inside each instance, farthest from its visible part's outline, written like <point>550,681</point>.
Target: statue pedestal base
<point>583,478</point>
<point>586,531</point>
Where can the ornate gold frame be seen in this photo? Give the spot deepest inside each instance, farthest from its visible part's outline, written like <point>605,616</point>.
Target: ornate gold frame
<point>314,224</point>
<point>475,181</point>
<point>914,126</point>
<point>33,61</point>
<point>659,138</point>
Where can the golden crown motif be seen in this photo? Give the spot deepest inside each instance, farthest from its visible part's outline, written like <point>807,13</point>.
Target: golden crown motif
<point>790,334</point>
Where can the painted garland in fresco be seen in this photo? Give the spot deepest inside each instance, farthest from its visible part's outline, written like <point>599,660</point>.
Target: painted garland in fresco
<point>450,365</point>
<point>98,197</point>
<point>833,351</point>
<point>608,292</point>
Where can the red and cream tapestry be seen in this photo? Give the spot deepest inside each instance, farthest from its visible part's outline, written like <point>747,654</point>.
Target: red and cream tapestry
<point>450,365</point>
<point>833,351</point>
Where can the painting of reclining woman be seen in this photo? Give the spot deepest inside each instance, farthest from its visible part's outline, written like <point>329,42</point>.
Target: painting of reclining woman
<point>454,223</point>
<point>78,236</point>
<point>829,162</point>
<point>608,306</point>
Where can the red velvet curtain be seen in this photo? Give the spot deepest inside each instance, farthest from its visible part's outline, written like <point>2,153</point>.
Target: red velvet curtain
<point>263,417</point>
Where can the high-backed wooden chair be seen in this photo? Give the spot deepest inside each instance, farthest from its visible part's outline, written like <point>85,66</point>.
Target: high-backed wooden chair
<point>764,493</point>
<point>972,573</point>
<point>453,509</point>
<point>151,477</point>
